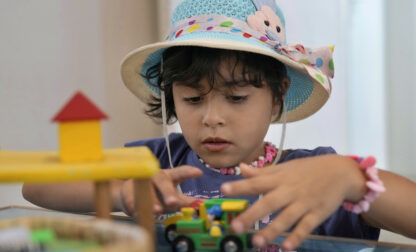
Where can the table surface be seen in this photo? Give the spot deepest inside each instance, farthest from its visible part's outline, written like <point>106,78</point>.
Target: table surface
<point>313,243</point>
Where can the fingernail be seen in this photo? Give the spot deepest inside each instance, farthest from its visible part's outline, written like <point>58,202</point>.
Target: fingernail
<point>170,200</point>
<point>259,241</point>
<point>238,227</point>
<point>157,208</point>
<point>245,166</point>
<point>226,188</point>
<point>287,245</point>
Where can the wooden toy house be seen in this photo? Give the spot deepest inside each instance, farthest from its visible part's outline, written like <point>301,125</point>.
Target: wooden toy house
<point>81,158</point>
<point>80,130</point>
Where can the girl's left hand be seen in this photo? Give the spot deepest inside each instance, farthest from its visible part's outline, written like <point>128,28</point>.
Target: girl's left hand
<point>305,190</point>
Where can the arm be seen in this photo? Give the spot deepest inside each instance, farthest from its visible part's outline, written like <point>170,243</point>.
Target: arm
<point>70,197</point>
<point>395,209</point>
<point>166,197</point>
<point>79,196</point>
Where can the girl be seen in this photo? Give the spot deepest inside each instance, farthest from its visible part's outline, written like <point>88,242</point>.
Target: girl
<point>225,73</point>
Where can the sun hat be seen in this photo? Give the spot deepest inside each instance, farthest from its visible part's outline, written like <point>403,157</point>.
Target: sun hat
<point>256,26</point>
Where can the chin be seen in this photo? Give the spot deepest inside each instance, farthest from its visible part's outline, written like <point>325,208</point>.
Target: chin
<point>218,164</point>
<point>219,159</point>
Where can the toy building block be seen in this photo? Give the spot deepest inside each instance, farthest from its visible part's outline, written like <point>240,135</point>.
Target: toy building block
<point>81,158</point>
<point>63,233</point>
<point>137,163</point>
<point>80,130</point>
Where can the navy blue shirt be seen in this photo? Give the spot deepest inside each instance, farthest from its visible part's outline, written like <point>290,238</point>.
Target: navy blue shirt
<point>341,223</point>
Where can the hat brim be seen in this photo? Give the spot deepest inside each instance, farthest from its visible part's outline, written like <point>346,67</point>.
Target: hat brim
<point>301,82</point>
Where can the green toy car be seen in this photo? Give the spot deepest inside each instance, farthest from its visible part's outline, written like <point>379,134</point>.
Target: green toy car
<point>207,227</point>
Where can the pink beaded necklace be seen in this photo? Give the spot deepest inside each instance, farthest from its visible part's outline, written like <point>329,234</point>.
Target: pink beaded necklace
<point>271,152</point>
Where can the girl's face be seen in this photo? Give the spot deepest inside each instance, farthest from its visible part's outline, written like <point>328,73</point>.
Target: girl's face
<point>225,125</point>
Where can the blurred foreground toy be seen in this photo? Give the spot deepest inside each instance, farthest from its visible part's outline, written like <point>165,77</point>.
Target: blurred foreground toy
<point>81,158</point>
<point>208,230</point>
<point>32,234</point>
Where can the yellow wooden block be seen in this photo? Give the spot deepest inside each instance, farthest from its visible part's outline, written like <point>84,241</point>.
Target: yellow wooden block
<point>43,167</point>
<point>234,206</point>
<point>187,213</point>
<point>80,141</point>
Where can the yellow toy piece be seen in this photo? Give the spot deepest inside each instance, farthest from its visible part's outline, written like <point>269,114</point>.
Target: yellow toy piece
<point>80,141</point>
<point>173,219</point>
<point>134,162</point>
<point>79,130</point>
<point>43,167</point>
<point>187,212</point>
<point>234,206</point>
<point>215,229</point>
<point>203,215</point>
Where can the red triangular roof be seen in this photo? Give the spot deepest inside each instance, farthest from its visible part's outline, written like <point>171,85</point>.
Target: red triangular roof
<point>79,108</point>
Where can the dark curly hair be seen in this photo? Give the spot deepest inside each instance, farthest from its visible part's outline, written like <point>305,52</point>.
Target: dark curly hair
<point>190,64</point>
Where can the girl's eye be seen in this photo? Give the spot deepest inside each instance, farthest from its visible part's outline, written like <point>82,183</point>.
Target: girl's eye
<point>278,29</point>
<point>267,23</point>
<point>237,98</point>
<point>193,100</point>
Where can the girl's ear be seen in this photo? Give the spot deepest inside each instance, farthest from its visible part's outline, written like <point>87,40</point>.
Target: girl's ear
<point>285,84</point>
<point>275,109</point>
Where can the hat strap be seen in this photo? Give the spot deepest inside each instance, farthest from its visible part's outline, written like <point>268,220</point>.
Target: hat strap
<point>166,132</point>
<point>266,218</point>
<point>165,127</point>
<point>283,135</point>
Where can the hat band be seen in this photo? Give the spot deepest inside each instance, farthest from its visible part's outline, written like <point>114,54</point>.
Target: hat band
<point>317,61</point>
<point>218,23</point>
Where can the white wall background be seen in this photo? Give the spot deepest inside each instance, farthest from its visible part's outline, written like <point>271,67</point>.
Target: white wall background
<point>51,48</point>
<point>400,72</point>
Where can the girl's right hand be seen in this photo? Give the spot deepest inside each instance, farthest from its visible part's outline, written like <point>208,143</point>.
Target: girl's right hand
<point>166,197</point>
<point>306,191</point>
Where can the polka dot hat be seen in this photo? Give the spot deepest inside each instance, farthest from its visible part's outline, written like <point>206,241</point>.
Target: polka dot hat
<point>247,25</point>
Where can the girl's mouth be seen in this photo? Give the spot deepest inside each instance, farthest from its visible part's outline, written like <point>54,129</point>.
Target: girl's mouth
<point>215,144</point>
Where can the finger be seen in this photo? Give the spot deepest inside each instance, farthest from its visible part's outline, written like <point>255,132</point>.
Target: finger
<point>305,226</point>
<point>182,173</point>
<point>165,190</point>
<point>157,206</point>
<point>308,222</point>
<point>186,201</point>
<point>248,171</point>
<point>271,169</point>
<point>270,203</point>
<point>251,186</point>
<point>287,218</point>
<point>127,197</point>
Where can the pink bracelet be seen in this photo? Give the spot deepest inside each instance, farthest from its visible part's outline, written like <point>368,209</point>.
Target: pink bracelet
<point>374,184</point>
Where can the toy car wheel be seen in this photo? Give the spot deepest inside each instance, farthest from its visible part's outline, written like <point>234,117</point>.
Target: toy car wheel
<point>250,240</point>
<point>183,244</point>
<point>231,244</point>
<point>170,233</point>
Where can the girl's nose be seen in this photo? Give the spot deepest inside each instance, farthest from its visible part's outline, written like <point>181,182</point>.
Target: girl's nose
<point>213,113</point>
